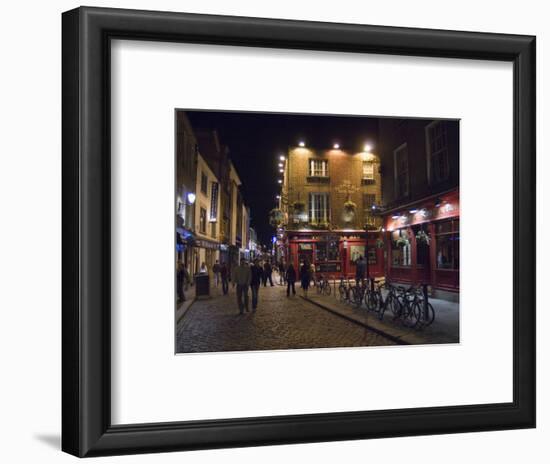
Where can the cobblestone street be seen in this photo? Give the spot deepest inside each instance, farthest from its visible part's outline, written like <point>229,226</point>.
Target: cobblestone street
<point>279,323</point>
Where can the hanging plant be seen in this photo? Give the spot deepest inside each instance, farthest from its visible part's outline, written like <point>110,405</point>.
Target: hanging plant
<point>350,206</point>
<point>423,238</point>
<point>379,243</point>
<point>402,242</point>
<point>275,217</point>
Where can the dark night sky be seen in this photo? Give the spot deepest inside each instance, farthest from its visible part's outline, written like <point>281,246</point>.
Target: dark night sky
<point>256,140</point>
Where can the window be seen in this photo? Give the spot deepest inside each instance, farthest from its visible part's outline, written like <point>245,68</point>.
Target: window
<point>318,208</point>
<point>202,221</point>
<point>204,183</point>
<point>438,156</point>
<point>327,251</point>
<point>318,168</point>
<point>213,229</point>
<point>447,244</point>
<point>400,250</point>
<point>401,171</point>
<point>368,170</point>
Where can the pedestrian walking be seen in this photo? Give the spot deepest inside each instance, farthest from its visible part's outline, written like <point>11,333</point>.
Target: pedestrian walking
<point>216,271</point>
<point>224,274</point>
<point>360,268</point>
<point>305,277</point>
<point>256,274</point>
<point>282,272</point>
<point>268,270</point>
<point>241,278</point>
<point>180,280</point>
<point>290,277</point>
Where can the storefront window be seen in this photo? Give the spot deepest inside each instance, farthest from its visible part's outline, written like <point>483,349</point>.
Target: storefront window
<point>448,245</point>
<point>400,249</point>
<point>327,251</point>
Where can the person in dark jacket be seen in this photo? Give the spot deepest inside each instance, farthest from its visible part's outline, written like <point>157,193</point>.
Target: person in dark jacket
<point>267,274</point>
<point>255,280</point>
<point>305,276</point>
<point>290,277</point>
<point>180,280</point>
<point>224,274</point>
<point>360,268</point>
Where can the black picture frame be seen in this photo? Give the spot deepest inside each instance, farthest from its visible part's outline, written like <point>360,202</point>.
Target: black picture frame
<point>86,401</point>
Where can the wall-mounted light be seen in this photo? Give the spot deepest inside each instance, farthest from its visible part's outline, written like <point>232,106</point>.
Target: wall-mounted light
<point>191,197</point>
<point>367,147</point>
<point>281,165</point>
<point>395,216</point>
<point>413,211</point>
<point>282,158</point>
<point>336,146</point>
<point>280,181</point>
<point>301,143</point>
<point>281,170</point>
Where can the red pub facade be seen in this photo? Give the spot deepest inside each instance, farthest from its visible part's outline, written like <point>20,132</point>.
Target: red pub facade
<point>333,253</point>
<point>423,243</point>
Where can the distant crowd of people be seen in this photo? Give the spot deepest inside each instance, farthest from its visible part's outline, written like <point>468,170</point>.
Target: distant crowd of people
<point>245,277</point>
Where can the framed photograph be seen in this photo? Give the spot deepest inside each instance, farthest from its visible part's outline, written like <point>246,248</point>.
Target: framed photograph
<point>284,231</point>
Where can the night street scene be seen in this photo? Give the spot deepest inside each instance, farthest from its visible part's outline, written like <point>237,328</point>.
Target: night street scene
<point>312,231</point>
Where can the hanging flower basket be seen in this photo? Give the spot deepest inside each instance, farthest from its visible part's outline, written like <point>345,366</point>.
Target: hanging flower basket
<point>350,206</point>
<point>422,238</point>
<point>402,242</point>
<point>275,217</point>
<point>379,243</point>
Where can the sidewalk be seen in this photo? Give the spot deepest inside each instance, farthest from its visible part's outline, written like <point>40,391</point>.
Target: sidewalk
<point>444,329</point>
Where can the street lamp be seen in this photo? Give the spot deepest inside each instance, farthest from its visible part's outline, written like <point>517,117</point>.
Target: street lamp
<point>301,143</point>
<point>367,147</point>
<point>191,197</point>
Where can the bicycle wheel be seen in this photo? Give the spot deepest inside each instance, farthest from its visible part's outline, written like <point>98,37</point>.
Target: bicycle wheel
<point>327,290</point>
<point>415,314</point>
<point>372,300</point>
<point>426,319</point>
<point>342,291</point>
<point>395,306</point>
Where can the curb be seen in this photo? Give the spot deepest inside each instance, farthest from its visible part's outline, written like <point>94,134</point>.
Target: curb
<point>393,338</point>
<point>184,312</point>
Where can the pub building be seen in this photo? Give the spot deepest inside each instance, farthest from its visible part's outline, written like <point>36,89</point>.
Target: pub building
<point>327,207</point>
<point>423,244</point>
<point>333,253</point>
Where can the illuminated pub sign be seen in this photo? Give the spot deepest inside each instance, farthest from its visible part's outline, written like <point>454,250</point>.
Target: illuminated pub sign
<point>443,207</point>
<point>214,202</point>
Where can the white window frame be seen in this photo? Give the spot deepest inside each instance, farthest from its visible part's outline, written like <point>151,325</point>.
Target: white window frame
<point>368,175</point>
<point>321,214</point>
<point>316,171</point>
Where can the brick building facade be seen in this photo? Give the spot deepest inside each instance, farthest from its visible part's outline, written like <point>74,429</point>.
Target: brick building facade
<point>327,204</point>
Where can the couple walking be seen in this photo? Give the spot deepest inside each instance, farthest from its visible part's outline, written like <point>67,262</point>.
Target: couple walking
<point>245,276</point>
<point>305,278</point>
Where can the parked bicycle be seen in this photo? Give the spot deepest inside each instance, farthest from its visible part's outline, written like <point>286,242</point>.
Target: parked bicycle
<point>415,310</point>
<point>323,285</point>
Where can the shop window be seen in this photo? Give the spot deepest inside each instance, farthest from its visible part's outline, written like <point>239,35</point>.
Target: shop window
<point>448,244</point>
<point>438,155</point>
<point>318,168</point>
<point>422,248</point>
<point>400,249</point>
<point>327,251</point>
<point>401,171</point>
